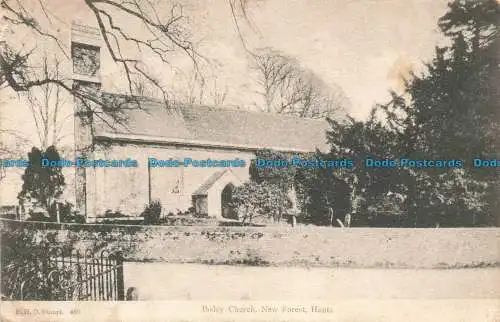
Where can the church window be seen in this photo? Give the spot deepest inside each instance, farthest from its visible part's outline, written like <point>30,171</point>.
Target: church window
<point>177,181</point>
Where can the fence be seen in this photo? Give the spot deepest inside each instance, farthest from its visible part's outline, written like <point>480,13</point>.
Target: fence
<point>74,275</point>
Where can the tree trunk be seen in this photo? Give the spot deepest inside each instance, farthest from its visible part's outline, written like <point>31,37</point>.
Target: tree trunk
<point>244,217</point>
<point>58,213</point>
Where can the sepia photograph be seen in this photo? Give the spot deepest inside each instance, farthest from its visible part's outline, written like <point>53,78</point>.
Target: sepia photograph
<point>250,160</point>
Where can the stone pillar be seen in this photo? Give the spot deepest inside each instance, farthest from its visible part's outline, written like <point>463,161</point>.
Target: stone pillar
<point>85,54</point>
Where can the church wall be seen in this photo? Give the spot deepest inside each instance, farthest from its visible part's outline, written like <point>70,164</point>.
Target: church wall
<point>129,190</point>
<point>118,189</point>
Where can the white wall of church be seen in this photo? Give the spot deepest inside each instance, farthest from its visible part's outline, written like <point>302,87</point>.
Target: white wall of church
<point>127,189</point>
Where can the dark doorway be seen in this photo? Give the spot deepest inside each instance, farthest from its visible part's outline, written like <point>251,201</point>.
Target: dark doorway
<point>226,197</point>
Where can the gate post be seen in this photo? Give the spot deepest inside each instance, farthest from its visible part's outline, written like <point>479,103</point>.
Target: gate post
<point>119,277</point>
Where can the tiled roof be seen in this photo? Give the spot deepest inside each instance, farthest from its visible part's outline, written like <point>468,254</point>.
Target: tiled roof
<point>217,125</point>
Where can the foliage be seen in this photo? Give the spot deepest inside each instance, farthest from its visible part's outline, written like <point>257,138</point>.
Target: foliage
<point>318,190</point>
<point>452,112</point>
<point>449,112</point>
<point>283,177</point>
<point>152,213</point>
<point>253,200</point>
<point>67,214</point>
<point>42,185</point>
<point>21,267</point>
<point>349,189</point>
<point>359,141</point>
<point>114,214</point>
<point>36,216</point>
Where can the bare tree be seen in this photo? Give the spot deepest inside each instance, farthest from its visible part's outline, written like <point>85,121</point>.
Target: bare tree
<point>288,88</point>
<point>195,90</point>
<point>46,104</point>
<point>165,34</point>
<point>190,88</point>
<point>142,88</point>
<point>218,95</point>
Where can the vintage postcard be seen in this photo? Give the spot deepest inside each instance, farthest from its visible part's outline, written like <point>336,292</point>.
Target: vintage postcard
<point>250,160</point>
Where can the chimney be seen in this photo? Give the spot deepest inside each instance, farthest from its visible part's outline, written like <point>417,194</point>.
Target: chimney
<point>85,55</point>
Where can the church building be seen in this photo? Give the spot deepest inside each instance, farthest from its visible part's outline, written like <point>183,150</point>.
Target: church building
<point>184,156</point>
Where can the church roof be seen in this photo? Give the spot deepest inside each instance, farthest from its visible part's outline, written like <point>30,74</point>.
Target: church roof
<point>203,189</point>
<point>153,121</point>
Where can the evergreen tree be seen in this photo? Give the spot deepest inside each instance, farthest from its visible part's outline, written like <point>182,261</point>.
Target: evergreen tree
<point>42,185</point>
<point>452,112</point>
<point>359,141</point>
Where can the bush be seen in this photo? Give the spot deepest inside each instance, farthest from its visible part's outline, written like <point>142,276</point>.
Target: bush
<point>254,199</point>
<point>68,215</point>
<point>113,214</point>
<point>25,268</point>
<point>39,216</point>
<point>152,213</point>
<point>118,218</point>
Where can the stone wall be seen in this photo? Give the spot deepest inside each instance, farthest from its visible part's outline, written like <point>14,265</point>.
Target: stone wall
<point>282,246</point>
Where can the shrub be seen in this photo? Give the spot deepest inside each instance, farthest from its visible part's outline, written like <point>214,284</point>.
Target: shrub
<point>113,214</point>
<point>152,213</point>
<point>118,218</point>
<point>25,270</point>
<point>40,216</point>
<point>182,213</point>
<point>253,200</point>
<point>68,215</point>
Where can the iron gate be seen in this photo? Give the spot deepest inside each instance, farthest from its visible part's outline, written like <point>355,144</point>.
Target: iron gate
<point>75,276</point>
